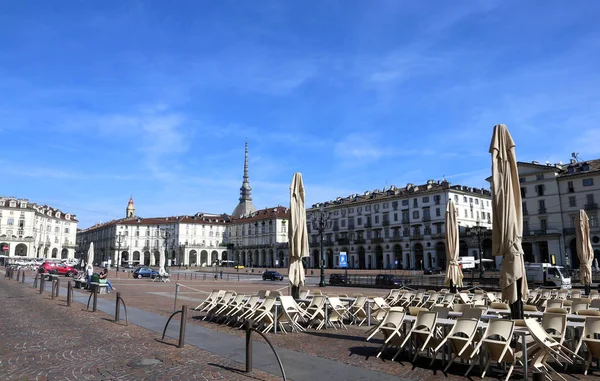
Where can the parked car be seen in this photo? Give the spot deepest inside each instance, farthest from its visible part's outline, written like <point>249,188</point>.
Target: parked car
<point>59,268</point>
<point>337,279</point>
<point>432,270</point>
<point>388,280</point>
<point>145,272</point>
<point>272,275</point>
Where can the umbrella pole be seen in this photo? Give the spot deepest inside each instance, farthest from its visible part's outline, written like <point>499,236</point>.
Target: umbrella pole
<point>296,292</point>
<point>587,289</point>
<point>516,308</point>
<point>452,287</point>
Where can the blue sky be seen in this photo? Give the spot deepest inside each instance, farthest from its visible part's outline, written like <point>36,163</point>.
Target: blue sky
<point>103,100</point>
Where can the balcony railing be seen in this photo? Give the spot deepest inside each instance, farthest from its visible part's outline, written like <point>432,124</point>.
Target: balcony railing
<point>343,241</point>
<point>359,241</point>
<point>592,206</point>
<point>396,238</point>
<point>328,243</point>
<point>426,218</point>
<point>542,211</point>
<point>416,236</point>
<point>376,240</point>
<point>368,225</point>
<point>405,220</point>
<point>386,223</point>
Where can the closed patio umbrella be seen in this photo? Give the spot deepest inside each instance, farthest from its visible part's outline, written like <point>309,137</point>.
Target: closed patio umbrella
<point>584,249</point>
<point>297,234</point>
<point>507,213</point>
<point>454,274</point>
<point>90,257</point>
<point>161,263</point>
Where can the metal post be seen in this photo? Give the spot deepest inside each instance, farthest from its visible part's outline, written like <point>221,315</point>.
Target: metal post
<point>23,278</point>
<point>248,345</point>
<point>182,326</point>
<point>42,283</point>
<point>57,286</point>
<point>35,280</point>
<point>95,304</point>
<point>69,293</point>
<point>176,292</point>
<point>118,307</point>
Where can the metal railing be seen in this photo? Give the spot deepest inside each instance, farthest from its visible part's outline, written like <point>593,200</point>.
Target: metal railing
<point>183,313</point>
<point>120,300</point>
<point>248,325</point>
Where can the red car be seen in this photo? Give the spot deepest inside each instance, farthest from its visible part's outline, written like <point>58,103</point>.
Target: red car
<point>61,268</point>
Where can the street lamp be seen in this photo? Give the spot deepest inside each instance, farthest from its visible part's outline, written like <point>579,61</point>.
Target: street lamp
<point>477,232</point>
<point>118,258</point>
<point>320,224</point>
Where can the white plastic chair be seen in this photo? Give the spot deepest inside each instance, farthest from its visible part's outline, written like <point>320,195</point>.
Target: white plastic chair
<point>496,342</point>
<point>460,339</point>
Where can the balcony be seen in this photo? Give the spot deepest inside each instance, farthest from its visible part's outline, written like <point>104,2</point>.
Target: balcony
<point>542,211</point>
<point>426,218</point>
<point>416,236</point>
<point>376,240</point>
<point>368,225</point>
<point>542,232</point>
<point>593,206</point>
<point>350,226</point>
<point>386,223</point>
<point>343,241</point>
<point>438,236</point>
<point>328,243</point>
<point>405,220</point>
<point>396,238</point>
<point>359,241</point>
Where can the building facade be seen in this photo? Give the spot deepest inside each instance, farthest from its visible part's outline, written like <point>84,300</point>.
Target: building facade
<point>28,230</point>
<point>187,240</point>
<point>260,238</point>
<point>400,228</point>
<point>552,196</point>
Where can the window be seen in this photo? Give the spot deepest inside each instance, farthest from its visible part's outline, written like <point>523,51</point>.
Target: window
<point>395,217</point>
<point>588,182</point>
<point>57,230</point>
<point>376,219</point>
<point>415,214</point>
<point>359,221</point>
<point>343,223</point>
<point>137,233</point>
<point>426,214</point>
<point>368,208</point>
<point>572,201</point>
<point>466,213</point>
<point>415,203</point>
<point>404,202</point>
<point>570,187</point>
<point>539,176</point>
<point>477,215</point>
<point>11,221</point>
<point>542,206</point>
<point>425,199</point>
<point>436,199</point>
<point>589,199</point>
<point>523,192</point>
<point>540,189</point>
<point>437,212</point>
<point>456,198</point>
<point>385,205</point>
<point>476,201</point>
<point>66,230</point>
<point>543,224</point>
<point>525,227</point>
<point>471,213</point>
<point>465,199</point>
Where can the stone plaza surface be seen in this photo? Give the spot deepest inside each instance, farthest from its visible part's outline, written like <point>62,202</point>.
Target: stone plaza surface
<point>343,352</point>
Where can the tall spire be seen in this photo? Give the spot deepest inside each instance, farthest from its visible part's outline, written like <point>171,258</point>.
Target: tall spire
<point>245,206</point>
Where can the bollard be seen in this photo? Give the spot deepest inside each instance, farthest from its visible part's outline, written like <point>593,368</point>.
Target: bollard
<point>182,326</point>
<point>18,274</point>
<point>57,285</point>
<point>248,345</point>
<point>118,307</point>
<point>204,276</point>
<point>42,283</point>
<point>35,280</point>
<point>178,277</point>
<point>95,304</point>
<point>176,293</point>
<point>69,293</point>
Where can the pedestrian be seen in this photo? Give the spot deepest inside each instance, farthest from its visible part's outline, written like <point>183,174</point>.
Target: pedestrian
<point>221,274</point>
<point>104,276</point>
<point>90,272</point>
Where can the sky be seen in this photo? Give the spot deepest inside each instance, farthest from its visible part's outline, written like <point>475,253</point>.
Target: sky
<point>100,101</point>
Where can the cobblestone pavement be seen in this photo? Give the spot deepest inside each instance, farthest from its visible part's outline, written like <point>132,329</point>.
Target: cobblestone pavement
<point>42,339</point>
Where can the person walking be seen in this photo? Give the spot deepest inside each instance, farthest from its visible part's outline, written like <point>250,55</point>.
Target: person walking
<point>89,272</point>
<point>104,275</point>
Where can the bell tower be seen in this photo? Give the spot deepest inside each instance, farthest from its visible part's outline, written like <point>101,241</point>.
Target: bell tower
<point>130,211</point>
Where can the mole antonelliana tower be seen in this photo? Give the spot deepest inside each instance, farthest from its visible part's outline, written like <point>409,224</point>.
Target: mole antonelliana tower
<point>130,211</point>
<point>245,206</point>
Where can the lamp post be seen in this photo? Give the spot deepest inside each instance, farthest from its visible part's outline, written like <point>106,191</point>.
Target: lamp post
<point>320,224</point>
<point>118,256</point>
<point>476,232</point>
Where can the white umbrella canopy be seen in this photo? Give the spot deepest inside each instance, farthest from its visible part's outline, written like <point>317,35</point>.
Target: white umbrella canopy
<point>507,215</point>
<point>297,231</point>
<point>454,274</point>
<point>584,247</point>
<point>90,257</point>
<point>161,263</point>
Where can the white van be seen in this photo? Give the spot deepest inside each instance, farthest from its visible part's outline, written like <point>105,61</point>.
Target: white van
<point>546,274</point>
